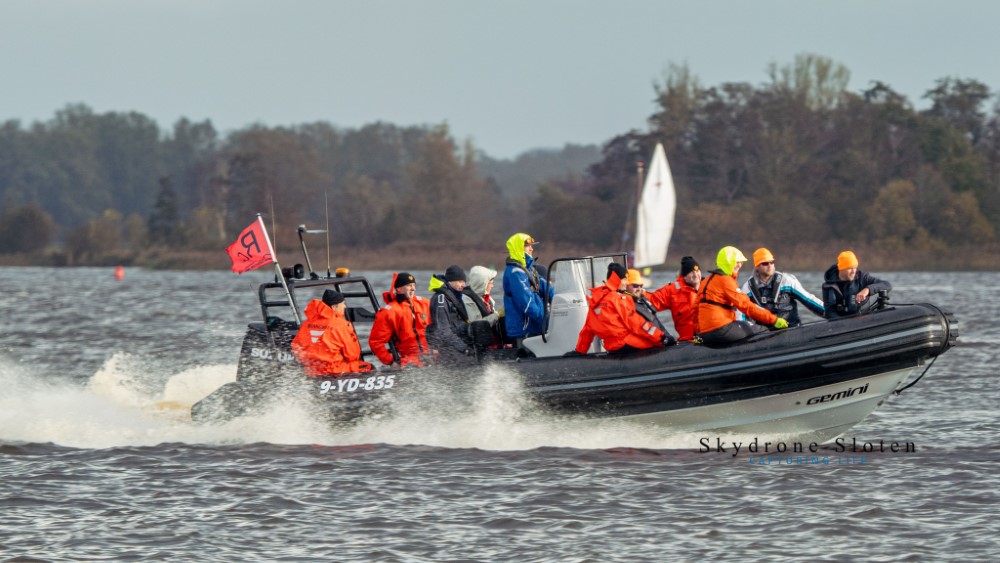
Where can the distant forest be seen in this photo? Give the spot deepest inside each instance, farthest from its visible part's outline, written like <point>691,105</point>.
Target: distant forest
<point>796,161</point>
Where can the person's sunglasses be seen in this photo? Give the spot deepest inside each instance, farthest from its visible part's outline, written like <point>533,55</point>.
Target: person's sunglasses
<point>771,263</point>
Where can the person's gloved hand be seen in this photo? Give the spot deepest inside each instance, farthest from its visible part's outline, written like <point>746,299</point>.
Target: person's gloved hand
<point>780,324</point>
<point>669,340</point>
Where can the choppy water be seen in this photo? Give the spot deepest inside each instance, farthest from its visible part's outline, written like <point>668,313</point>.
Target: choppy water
<point>94,467</point>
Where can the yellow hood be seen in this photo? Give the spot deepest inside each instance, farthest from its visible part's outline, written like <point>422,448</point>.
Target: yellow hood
<point>515,247</point>
<point>727,258</point>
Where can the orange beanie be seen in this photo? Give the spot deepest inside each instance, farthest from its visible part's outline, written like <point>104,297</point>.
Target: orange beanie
<point>761,255</point>
<point>846,260</point>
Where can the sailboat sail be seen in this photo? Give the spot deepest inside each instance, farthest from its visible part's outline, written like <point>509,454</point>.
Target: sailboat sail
<point>655,214</point>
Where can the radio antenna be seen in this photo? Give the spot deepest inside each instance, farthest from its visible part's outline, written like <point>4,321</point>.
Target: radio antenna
<point>274,231</point>
<point>326,205</point>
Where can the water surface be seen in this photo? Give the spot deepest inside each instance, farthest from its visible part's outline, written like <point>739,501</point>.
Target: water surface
<point>92,466</point>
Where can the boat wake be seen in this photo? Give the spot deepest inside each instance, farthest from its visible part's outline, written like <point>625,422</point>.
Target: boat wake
<point>123,405</point>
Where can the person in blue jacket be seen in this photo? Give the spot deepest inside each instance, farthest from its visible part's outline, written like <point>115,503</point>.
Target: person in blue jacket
<point>523,291</point>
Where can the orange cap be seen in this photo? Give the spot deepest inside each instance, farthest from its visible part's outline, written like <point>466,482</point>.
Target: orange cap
<point>634,277</point>
<point>761,255</point>
<point>846,260</point>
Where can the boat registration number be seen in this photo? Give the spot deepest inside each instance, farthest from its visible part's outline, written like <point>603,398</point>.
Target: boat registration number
<point>350,385</point>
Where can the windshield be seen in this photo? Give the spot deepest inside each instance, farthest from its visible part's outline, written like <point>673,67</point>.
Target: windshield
<point>577,275</point>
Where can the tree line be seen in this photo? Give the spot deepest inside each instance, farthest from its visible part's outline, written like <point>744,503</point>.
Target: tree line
<point>798,159</point>
<point>802,160</point>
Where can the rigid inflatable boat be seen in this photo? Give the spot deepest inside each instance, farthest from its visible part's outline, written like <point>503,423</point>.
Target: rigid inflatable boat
<point>812,382</point>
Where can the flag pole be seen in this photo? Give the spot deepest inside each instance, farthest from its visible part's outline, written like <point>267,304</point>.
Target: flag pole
<point>277,271</point>
<point>288,293</point>
<point>246,254</point>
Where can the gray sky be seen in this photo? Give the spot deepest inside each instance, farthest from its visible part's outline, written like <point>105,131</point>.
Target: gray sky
<point>510,75</point>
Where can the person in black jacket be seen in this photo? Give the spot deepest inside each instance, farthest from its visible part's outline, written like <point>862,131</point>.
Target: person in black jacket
<point>449,328</point>
<point>848,290</point>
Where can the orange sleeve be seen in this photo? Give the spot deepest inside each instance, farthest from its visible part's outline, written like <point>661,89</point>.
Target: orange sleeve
<point>585,339</point>
<point>380,335</point>
<point>660,299</point>
<point>742,302</point>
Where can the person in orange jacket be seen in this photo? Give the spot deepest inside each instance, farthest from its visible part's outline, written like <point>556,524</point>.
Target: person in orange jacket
<point>612,318</point>
<point>719,298</point>
<point>679,296</point>
<point>326,343</point>
<point>633,287</point>
<point>403,321</point>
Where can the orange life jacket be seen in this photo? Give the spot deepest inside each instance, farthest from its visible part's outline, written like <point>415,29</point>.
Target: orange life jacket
<point>326,343</point>
<point>612,318</point>
<point>719,297</point>
<point>680,298</point>
<point>405,324</point>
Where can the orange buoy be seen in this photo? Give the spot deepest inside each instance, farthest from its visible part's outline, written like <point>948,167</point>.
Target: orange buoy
<point>119,272</point>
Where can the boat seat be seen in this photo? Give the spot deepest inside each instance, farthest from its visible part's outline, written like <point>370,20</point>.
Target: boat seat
<point>568,314</point>
<point>359,315</point>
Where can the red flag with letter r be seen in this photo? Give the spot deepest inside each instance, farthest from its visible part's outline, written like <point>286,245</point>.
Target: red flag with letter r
<point>252,248</point>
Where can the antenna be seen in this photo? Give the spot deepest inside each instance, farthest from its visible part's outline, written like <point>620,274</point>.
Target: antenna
<point>274,230</point>
<point>326,205</point>
<point>302,241</point>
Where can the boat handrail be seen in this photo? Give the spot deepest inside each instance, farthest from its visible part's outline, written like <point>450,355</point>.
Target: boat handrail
<point>333,283</point>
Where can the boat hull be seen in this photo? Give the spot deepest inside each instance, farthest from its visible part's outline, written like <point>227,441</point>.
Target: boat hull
<point>797,382</point>
<point>800,414</point>
<point>810,383</point>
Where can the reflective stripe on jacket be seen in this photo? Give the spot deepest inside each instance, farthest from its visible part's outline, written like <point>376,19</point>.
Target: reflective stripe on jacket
<point>612,318</point>
<point>326,342</point>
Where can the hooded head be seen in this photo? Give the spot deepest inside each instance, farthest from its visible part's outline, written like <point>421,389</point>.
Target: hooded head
<point>727,258</point>
<point>515,247</point>
<point>437,280</point>
<point>479,278</point>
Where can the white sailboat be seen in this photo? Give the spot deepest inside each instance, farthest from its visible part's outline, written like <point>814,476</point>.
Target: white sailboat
<point>655,213</point>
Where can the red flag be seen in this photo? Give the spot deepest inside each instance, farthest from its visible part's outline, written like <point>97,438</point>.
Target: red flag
<point>252,248</point>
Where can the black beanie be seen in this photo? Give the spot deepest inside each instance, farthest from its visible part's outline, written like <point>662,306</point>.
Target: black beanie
<point>688,265</point>
<point>618,269</point>
<point>331,297</point>
<point>403,278</point>
<point>454,273</point>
